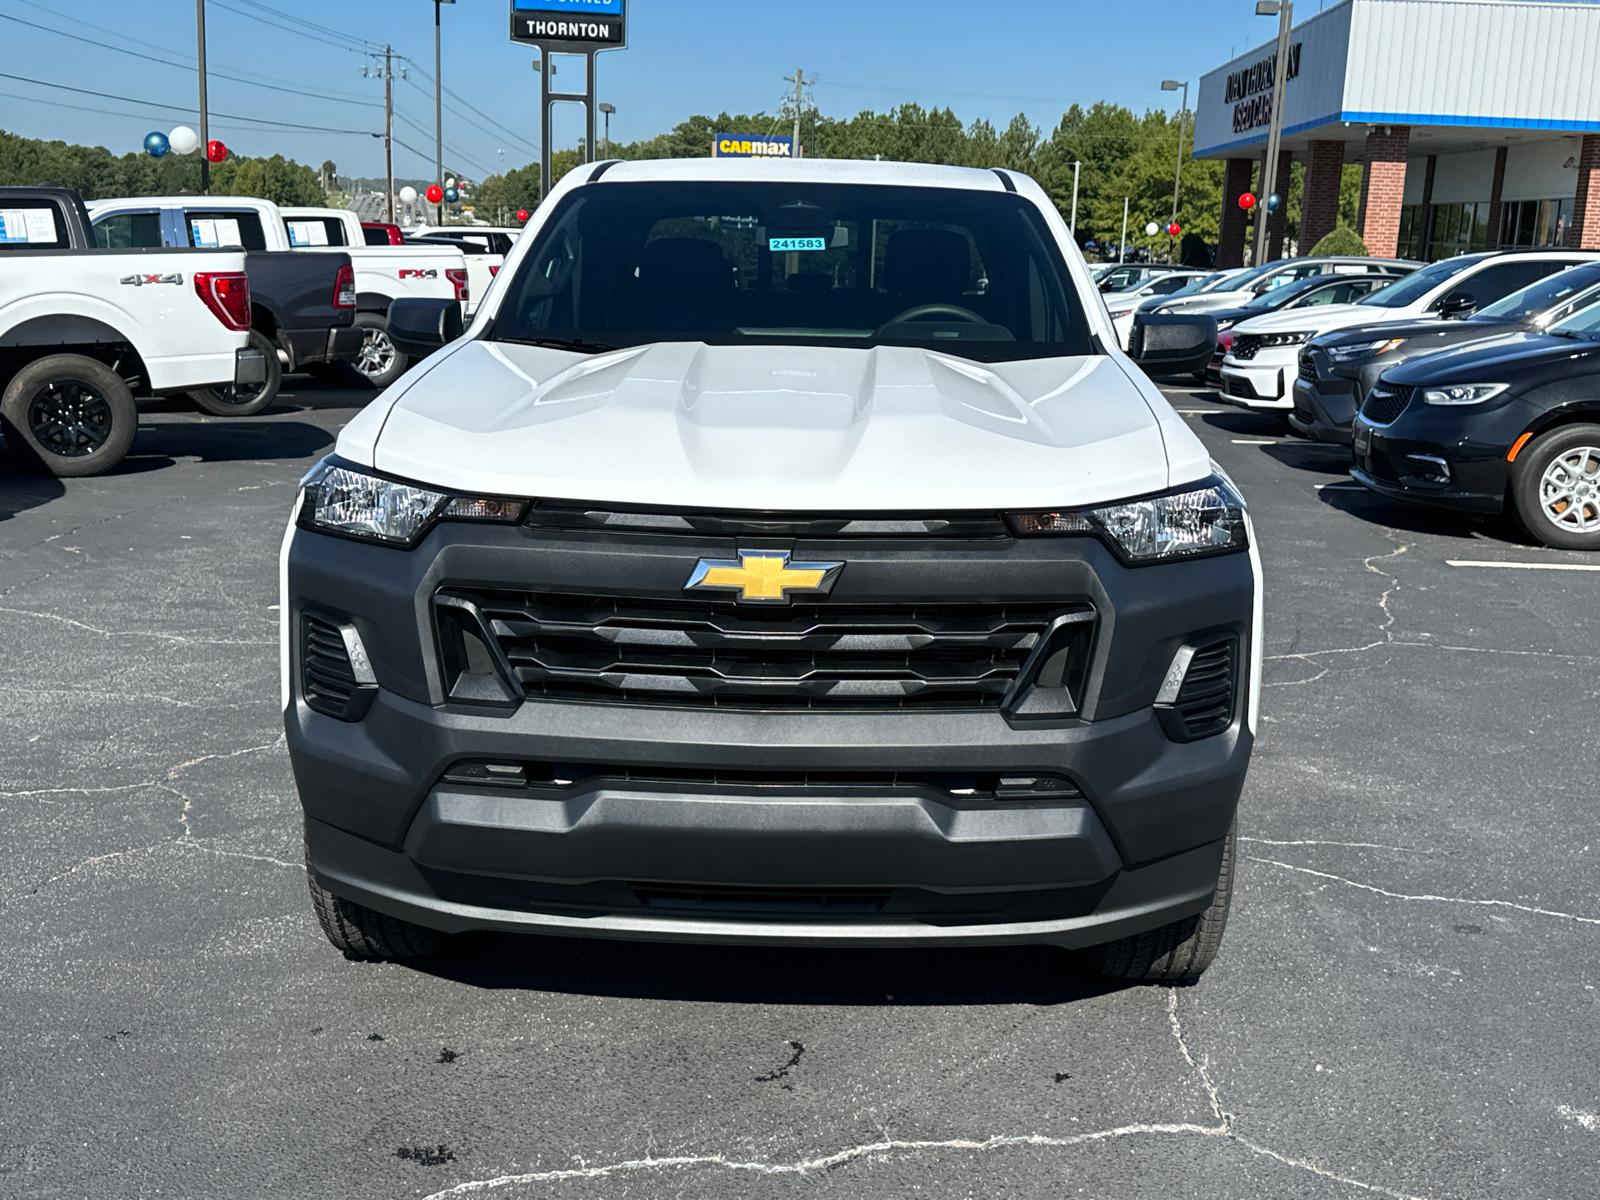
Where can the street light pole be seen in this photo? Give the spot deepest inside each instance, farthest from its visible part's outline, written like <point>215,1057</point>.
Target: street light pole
<point>1172,85</point>
<point>438,111</point>
<point>607,110</point>
<point>1073,224</point>
<point>1284,11</point>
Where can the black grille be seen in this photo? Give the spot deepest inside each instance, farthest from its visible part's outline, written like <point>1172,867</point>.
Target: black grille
<point>1308,367</point>
<point>592,518</point>
<point>1205,703</point>
<point>1245,345</point>
<point>1386,402</point>
<point>327,680</point>
<point>1302,408</point>
<point>824,656</point>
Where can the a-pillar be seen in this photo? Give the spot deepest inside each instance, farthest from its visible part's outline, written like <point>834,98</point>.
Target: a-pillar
<point>1383,188</point>
<point>1584,232</point>
<point>1495,190</point>
<point>1319,199</point>
<point>1230,235</point>
<point>1280,184</point>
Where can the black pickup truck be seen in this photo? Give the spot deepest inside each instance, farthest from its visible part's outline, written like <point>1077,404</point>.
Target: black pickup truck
<point>302,305</point>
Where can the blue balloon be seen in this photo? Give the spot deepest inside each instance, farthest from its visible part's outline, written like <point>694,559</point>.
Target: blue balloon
<point>156,145</point>
<point>1274,202</point>
<point>451,195</point>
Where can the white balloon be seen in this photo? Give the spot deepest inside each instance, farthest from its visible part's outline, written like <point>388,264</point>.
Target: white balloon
<point>1152,229</point>
<point>183,140</point>
<point>408,195</point>
<point>449,183</point>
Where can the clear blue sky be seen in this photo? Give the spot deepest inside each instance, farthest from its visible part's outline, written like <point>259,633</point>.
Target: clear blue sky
<point>988,59</point>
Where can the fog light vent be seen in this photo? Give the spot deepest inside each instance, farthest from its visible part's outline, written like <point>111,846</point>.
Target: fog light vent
<point>1197,697</point>
<point>336,677</point>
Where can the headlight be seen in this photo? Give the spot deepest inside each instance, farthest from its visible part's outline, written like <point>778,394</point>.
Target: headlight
<point>1221,325</point>
<point>350,500</point>
<point>1463,393</point>
<point>1283,339</point>
<point>1365,349</point>
<point>1200,519</point>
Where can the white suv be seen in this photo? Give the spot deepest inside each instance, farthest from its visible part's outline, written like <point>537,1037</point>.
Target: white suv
<point>1260,366</point>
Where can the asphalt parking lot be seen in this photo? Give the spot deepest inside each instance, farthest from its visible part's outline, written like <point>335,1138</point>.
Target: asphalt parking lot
<point>1405,1005</point>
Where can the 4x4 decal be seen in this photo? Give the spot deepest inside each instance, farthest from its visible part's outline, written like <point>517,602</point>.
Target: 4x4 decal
<point>141,280</point>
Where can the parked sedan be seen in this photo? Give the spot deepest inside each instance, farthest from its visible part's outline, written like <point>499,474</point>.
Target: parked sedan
<point>1507,421</point>
<point>1338,369</point>
<point>1122,277</point>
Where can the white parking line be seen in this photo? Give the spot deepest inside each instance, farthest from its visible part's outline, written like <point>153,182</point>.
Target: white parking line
<point>1255,441</point>
<point>1521,566</point>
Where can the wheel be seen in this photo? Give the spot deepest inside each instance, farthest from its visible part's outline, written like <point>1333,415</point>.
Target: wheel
<point>361,932</point>
<point>70,415</point>
<point>244,399</point>
<point>1555,487</point>
<point>1179,952</point>
<point>380,362</point>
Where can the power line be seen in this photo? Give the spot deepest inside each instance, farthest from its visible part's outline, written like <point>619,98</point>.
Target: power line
<point>183,66</point>
<point>358,48</point>
<point>299,20</point>
<point>497,125</point>
<point>175,107</point>
<point>525,146</point>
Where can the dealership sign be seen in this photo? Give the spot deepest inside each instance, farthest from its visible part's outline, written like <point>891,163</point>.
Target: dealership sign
<point>1249,89</point>
<point>751,145</point>
<point>569,24</point>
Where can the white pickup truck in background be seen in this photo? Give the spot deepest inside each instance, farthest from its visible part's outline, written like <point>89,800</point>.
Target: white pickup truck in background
<point>383,273</point>
<point>84,330</point>
<point>485,247</point>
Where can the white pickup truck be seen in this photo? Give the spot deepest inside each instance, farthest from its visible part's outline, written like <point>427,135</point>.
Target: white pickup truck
<point>383,273</point>
<point>84,330</point>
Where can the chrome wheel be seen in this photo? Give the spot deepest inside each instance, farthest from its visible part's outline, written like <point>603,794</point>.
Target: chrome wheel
<point>1569,490</point>
<point>69,419</point>
<point>377,354</point>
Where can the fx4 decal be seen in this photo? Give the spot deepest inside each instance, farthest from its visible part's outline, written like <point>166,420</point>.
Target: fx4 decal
<point>415,273</point>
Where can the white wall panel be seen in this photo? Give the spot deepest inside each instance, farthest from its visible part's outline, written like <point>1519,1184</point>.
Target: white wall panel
<point>1462,178</point>
<point>1534,170</point>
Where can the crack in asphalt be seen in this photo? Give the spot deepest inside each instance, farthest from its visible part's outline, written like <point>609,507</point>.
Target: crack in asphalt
<point>1346,845</point>
<point>176,638</point>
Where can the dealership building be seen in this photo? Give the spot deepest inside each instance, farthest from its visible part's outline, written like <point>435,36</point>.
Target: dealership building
<point>1476,124</point>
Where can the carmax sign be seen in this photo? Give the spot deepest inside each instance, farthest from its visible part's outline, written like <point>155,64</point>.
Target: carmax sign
<point>751,145</point>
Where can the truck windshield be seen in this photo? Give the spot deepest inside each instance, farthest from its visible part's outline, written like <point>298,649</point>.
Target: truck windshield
<point>974,274</point>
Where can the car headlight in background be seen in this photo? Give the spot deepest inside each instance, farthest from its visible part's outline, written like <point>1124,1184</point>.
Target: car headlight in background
<point>1365,349</point>
<point>1191,522</point>
<point>346,499</point>
<point>1463,393</point>
<point>1283,339</point>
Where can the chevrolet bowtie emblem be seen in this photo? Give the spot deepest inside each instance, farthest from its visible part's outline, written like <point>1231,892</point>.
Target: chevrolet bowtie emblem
<point>763,577</point>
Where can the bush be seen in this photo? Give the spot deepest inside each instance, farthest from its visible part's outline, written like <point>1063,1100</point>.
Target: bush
<point>1343,240</point>
<point>1193,251</point>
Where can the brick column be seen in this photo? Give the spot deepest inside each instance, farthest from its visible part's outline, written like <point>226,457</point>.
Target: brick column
<point>1230,237</point>
<point>1425,216</point>
<point>1584,231</point>
<point>1495,189</point>
<point>1275,220</point>
<point>1319,201</point>
<point>1383,188</point>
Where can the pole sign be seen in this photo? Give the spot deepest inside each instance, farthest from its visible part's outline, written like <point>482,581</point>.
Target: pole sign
<point>751,145</point>
<point>569,26</point>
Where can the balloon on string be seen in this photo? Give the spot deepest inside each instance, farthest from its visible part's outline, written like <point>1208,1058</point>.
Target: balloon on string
<point>450,183</point>
<point>1174,229</point>
<point>1152,229</point>
<point>435,193</point>
<point>156,145</point>
<point>183,140</point>
<point>451,195</point>
<point>1247,201</point>
<point>522,215</point>
<point>216,151</point>
<point>1274,202</point>
<point>408,195</point>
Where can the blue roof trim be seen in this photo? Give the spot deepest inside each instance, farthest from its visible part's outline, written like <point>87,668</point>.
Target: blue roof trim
<point>1396,118</point>
<point>1261,140</point>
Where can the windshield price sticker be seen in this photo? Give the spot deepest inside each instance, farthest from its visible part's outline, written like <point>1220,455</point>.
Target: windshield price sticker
<point>215,233</point>
<point>27,225</point>
<point>781,244</point>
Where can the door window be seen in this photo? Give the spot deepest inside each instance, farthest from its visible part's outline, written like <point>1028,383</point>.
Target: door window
<point>129,231</point>
<point>238,229</point>
<point>31,225</point>
<point>1500,280</point>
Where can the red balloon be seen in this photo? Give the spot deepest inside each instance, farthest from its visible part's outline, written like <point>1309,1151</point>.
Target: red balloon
<point>435,193</point>
<point>522,215</point>
<point>1174,229</point>
<point>216,151</point>
<point>1247,201</point>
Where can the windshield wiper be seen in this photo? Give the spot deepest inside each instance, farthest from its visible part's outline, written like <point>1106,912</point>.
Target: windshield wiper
<point>581,345</point>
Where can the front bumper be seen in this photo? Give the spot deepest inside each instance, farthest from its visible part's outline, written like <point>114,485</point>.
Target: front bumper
<point>1447,458</point>
<point>828,863</point>
<point>1256,383</point>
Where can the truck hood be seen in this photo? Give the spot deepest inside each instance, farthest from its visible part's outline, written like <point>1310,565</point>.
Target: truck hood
<point>781,428</point>
<point>1320,318</point>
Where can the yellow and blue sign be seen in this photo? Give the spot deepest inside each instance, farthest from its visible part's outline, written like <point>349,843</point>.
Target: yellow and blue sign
<point>751,145</point>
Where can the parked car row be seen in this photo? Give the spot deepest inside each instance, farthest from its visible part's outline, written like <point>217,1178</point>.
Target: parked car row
<point>1471,384</point>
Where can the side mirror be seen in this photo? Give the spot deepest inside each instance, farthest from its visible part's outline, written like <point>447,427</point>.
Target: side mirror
<point>419,325</point>
<point>1456,305</point>
<point>1172,343</point>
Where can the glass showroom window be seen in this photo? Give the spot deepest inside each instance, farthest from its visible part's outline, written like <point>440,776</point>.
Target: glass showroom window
<point>1537,223</point>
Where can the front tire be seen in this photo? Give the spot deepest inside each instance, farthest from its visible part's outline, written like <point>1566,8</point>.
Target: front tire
<point>1179,952</point>
<point>244,399</point>
<point>380,362</point>
<point>1555,487</point>
<point>361,932</point>
<point>69,415</point>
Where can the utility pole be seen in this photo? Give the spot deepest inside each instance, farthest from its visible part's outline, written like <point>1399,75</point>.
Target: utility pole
<point>1284,11</point>
<point>438,112</point>
<point>205,132</point>
<point>1172,85</point>
<point>1073,224</point>
<point>799,81</point>
<point>388,127</point>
